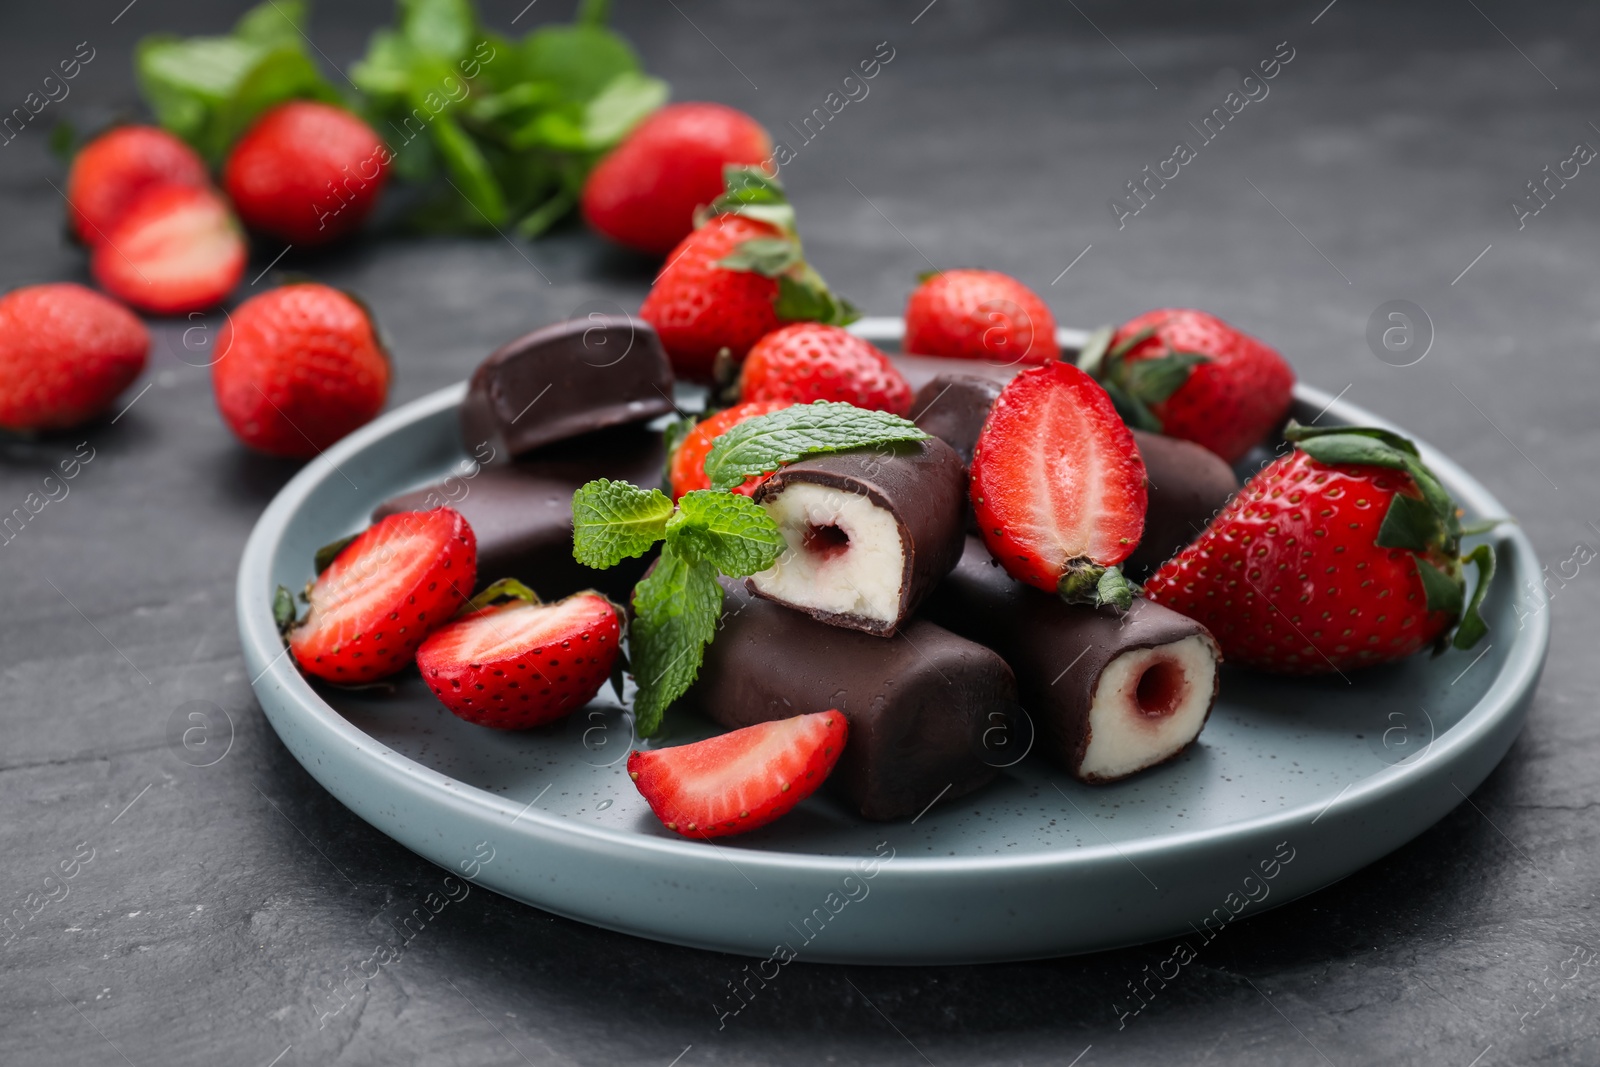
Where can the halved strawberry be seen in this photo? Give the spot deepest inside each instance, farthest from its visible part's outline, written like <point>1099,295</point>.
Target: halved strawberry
<point>1058,485</point>
<point>383,593</point>
<point>742,779</point>
<point>177,249</point>
<point>687,467</point>
<point>521,663</point>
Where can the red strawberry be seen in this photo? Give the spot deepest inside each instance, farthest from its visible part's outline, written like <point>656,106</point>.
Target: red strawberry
<point>65,354</point>
<point>297,369</point>
<point>1058,486</point>
<point>644,194</point>
<point>739,780</point>
<point>980,314</point>
<point>1191,375</point>
<point>306,172</point>
<point>114,169</point>
<point>176,249</point>
<point>1340,555</point>
<point>383,593</point>
<point>522,663</point>
<point>736,279</point>
<point>688,466</point>
<point>815,361</point>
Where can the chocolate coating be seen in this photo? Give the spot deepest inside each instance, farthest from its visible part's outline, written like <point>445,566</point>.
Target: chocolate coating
<point>953,408</point>
<point>918,705</point>
<point>522,512</point>
<point>564,380</point>
<point>922,484</point>
<point>1057,650</point>
<point>1188,483</point>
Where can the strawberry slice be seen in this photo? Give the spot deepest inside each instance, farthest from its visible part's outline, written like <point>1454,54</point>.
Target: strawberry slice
<point>177,249</point>
<point>522,663</point>
<point>385,592</point>
<point>742,779</point>
<point>1058,485</point>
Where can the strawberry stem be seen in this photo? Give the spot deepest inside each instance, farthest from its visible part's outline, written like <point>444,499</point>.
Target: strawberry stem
<point>1089,583</point>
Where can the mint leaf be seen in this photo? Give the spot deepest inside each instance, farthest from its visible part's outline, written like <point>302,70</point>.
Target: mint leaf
<point>732,533</point>
<point>675,611</point>
<point>579,60</point>
<point>443,29</point>
<point>767,442</point>
<point>272,24</point>
<point>612,521</point>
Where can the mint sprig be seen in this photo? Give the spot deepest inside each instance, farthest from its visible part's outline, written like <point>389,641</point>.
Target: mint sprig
<point>767,442</point>
<point>709,532</point>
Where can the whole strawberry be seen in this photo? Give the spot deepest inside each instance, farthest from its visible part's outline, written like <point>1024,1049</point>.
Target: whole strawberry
<point>687,467</point>
<point>980,314</point>
<point>306,172</point>
<point>111,171</point>
<point>1190,375</point>
<point>810,361</point>
<point>175,249</point>
<point>382,594</point>
<point>65,354</point>
<point>644,194</point>
<point>1058,486</point>
<point>736,278</point>
<point>1343,554</point>
<point>297,368</point>
<point>521,663</point>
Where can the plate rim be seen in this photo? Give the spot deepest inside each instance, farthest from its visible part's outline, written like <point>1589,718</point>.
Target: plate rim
<point>265,655</point>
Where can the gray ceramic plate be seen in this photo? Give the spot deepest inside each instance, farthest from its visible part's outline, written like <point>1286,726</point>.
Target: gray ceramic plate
<point>1292,786</point>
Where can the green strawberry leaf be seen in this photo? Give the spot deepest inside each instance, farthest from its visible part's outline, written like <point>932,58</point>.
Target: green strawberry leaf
<point>1128,344</point>
<point>1299,432</point>
<point>503,589</point>
<point>1086,582</point>
<point>1154,380</point>
<point>755,194</point>
<point>283,610</point>
<point>675,612</point>
<point>769,256</point>
<point>1094,350</point>
<point>1444,593</point>
<point>1473,628</point>
<point>767,442</point>
<point>328,553</point>
<point>1134,412</point>
<point>731,532</point>
<point>807,299</point>
<point>1410,523</point>
<point>613,521</point>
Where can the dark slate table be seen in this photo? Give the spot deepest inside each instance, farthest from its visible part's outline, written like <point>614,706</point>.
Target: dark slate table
<point>213,908</point>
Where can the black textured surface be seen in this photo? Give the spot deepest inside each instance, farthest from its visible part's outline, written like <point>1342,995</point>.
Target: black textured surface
<point>219,908</point>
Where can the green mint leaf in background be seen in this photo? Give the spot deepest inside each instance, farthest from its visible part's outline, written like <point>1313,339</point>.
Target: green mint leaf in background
<point>733,533</point>
<point>208,90</point>
<point>675,611</point>
<point>767,442</point>
<point>579,61</point>
<point>468,170</point>
<point>443,29</point>
<point>612,521</point>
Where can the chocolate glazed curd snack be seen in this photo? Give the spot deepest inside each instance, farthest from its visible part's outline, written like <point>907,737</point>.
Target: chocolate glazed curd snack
<point>918,704</point>
<point>1110,694</point>
<point>566,379</point>
<point>869,532</point>
<point>522,511</point>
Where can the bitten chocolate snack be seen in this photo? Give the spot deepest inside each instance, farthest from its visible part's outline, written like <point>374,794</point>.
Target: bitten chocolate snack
<point>522,512</point>
<point>564,380</point>
<point>1188,485</point>
<point>1109,695</point>
<point>869,532</point>
<point>918,705</point>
